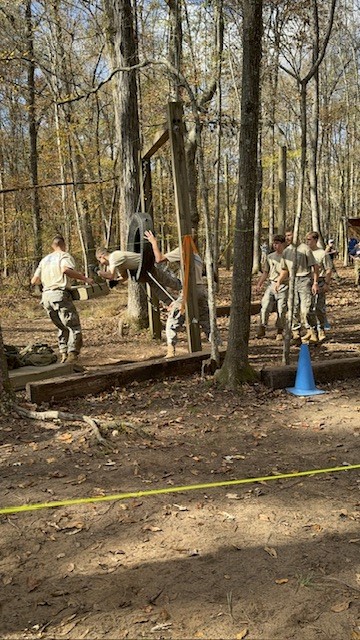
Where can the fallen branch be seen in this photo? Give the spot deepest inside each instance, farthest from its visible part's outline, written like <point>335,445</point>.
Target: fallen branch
<point>61,415</point>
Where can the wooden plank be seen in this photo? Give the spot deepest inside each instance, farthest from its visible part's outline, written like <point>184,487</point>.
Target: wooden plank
<point>324,371</point>
<point>224,310</point>
<point>159,141</point>
<point>109,377</point>
<point>20,377</point>
<point>182,207</point>
<point>87,291</point>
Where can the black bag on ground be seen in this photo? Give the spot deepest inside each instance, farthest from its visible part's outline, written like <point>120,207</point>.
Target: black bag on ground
<point>34,355</point>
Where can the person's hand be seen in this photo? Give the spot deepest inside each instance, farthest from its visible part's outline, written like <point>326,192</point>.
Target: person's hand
<point>150,237</point>
<point>89,281</point>
<point>102,274</point>
<point>315,288</point>
<point>276,287</point>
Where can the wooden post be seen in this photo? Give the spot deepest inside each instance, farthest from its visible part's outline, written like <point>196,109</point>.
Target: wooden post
<point>147,207</point>
<point>182,206</point>
<point>282,191</point>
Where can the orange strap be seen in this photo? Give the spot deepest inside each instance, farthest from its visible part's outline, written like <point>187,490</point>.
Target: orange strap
<point>188,248</point>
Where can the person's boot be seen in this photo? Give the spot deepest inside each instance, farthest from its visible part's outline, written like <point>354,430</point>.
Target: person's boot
<point>260,332</point>
<point>63,357</point>
<point>310,336</point>
<point>296,338</point>
<point>72,357</point>
<point>321,335</point>
<point>279,335</point>
<point>170,351</point>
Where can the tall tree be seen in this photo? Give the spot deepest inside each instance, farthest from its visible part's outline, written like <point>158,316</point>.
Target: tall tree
<point>5,389</point>
<point>236,368</point>
<point>122,47</point>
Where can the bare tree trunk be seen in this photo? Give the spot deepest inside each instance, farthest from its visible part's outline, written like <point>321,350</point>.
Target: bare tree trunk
<point>314,131</point>
<point>31,107</point>
<point>227,217</point>
<point>5,388</point>
<point>236,368</point>
<point>282,190</point>
<point>122,47</point>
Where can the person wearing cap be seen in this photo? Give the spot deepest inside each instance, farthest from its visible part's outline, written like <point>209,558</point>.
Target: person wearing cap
<point>333,253</point>
<point>55,273</point>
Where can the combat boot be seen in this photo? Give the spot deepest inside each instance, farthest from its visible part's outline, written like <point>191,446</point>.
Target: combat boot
<point>321,335</point>
<point>296,338</point>
<point>310,336</point>
<point>72,357</point>
<point>260,332</point>
<point>170,351</point>
<point>63,357</point>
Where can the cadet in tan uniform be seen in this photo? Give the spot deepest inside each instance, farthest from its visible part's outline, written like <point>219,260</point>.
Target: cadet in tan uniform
<point>325,269</point>
<point>55,273</point>
<point>176,317</point>
<point>271,272</point>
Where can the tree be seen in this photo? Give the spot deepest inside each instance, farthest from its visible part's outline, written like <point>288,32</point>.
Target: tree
<point>5,389</point>
<point>123,53</point>
<point>236,368</point>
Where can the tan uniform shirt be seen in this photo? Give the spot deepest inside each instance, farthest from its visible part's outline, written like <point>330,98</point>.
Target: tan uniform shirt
<point>324,261</point>
<point>50,271</point>
<point>174,257</point>
<point>272,266</point>
<point>305,259</point>
<point>123,260</point>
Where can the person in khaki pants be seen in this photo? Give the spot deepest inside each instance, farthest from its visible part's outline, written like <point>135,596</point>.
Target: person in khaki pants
<point>325,270</point>
<point>271,272</point>
<point>55,273</point>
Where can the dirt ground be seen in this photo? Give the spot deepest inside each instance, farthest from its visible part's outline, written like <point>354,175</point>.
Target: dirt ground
<point>270,561</point>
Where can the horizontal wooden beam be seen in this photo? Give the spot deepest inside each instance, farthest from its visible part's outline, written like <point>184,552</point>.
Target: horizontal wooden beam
<point>158,142</point>
<point>224,310</point>
<point>20,377</point>
<point>324,371</point>
<point>109,377</point>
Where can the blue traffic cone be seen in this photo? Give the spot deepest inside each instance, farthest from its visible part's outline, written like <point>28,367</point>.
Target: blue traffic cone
<point>304,382</point>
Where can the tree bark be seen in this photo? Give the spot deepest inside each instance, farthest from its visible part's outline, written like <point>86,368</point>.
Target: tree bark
<point>5,388</point>
<point>122,47</point>
<point>236,368</point>
<point>33,129</point>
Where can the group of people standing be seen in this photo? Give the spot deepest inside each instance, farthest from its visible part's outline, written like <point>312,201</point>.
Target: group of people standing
<point>313,268</point>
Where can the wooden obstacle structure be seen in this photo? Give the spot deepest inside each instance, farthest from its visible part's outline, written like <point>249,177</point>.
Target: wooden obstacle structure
<point>88,291</point>
<point>20,377</point>
<point>93,382</point>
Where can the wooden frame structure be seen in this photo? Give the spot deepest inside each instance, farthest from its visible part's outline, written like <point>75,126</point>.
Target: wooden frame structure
<point>175,134</point>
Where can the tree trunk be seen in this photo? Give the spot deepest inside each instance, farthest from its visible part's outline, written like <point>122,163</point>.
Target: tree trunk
<point>31,108</point>
<point>5,388</point>
<point>122,47</point>
<point>236,368</point>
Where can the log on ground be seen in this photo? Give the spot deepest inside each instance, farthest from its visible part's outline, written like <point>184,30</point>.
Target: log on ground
<point>94,382</point>
<point>20,377</point>
<point>324,371</point>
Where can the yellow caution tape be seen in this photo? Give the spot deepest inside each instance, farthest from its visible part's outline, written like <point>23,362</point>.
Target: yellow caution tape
<point>156,492</point>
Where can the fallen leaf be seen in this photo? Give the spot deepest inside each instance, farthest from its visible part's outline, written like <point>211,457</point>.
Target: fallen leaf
<point>341,606</point>
<point>271,551</point>
<point>281,580</point>
<point>150,527</point>
<point>242,634</point>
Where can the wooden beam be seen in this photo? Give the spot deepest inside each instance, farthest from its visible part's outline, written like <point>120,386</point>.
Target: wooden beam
<point>182,207</point>
<point>324,371</point>
<point>109,377</point>
<point>159,141</point>
<point>224,310</point>
<point>87,291</point>
<point>20,377</point>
